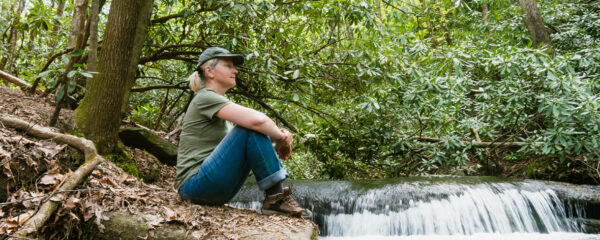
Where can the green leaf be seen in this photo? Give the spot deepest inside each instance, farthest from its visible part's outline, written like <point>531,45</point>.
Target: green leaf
<point>296,74</point>
<point>72,85</point>
<point>44,73</point>
<point>71,73</point>
<point>61,93</point>
<point>86,74</point>
<point>77,53</point>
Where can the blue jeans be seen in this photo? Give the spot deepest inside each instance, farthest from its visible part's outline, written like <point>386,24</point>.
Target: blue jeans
<point>225,170</point>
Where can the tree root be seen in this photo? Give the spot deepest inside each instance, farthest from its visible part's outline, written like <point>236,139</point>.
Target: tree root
<point>92,159</point>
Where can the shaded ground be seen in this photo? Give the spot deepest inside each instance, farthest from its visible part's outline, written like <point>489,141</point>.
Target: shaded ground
<point>32,169</point>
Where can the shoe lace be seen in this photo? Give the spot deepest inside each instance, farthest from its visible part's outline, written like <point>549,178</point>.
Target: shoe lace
<point>288,198</point>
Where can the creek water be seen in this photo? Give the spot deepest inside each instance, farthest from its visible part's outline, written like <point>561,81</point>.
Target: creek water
<point>444,208</point>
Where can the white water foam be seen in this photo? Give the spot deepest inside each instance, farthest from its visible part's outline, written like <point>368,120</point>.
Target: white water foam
<point>482,211</point>
<point>480,236</point>
<point>476,210</point>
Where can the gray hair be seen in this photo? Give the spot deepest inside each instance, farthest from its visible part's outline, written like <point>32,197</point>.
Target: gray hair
<point>198,78</point>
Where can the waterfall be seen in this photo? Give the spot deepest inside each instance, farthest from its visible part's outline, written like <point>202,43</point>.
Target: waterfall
<point>415,209</point>
<point>477,210</point>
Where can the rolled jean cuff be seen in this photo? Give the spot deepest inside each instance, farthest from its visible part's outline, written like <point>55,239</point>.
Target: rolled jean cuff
<point>269,181</point>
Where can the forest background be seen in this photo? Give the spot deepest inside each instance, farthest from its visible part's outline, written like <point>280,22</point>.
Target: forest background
<point>371,89</point>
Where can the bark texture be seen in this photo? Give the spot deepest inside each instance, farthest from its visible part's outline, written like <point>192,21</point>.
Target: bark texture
<point>99,114</point>
<point>76,24</point>
<point>79,42</point>
<point>93,50</point>
<point>534,23</point>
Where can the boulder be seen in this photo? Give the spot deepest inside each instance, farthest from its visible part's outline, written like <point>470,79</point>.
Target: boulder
<point>125,225</point>
<point>162,149</point>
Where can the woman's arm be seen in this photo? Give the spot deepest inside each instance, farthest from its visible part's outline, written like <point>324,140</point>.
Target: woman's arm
<point>251,119</point>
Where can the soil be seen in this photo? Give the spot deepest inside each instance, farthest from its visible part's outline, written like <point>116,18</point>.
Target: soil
<point>32,169</point>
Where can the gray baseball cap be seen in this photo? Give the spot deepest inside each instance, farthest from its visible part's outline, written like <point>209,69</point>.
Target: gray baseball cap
<point>217,52</point>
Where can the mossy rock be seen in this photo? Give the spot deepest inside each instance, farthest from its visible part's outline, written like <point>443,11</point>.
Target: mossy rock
<point>124,161</point>
<point>162,149</point>
<point>124,225</point>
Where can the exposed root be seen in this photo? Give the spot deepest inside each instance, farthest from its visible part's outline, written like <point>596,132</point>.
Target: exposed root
<point>70,182</point>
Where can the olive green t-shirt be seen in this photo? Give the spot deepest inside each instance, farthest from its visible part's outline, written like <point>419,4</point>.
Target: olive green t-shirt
<point>201,133</point>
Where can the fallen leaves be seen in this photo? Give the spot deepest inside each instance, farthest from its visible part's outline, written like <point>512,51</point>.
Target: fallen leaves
<point>159,203</point>
<point>50,149</point>
<point>170,215</point>
<point>4,155</point>
<point>12,224</point>
<point>6,170</point>
<point>51,180</point>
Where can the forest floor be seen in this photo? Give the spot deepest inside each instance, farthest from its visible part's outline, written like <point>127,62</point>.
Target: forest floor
<point>32,169</point>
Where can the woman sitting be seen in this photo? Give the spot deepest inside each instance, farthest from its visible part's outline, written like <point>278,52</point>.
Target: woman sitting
<point>213,162</point>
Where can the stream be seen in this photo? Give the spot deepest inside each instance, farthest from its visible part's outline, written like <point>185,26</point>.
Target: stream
<point>445,208</point>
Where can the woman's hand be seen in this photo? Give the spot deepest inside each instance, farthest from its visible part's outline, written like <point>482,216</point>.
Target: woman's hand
<point>283,147</point>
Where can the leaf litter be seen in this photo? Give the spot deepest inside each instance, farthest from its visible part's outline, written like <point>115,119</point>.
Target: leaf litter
<point>108,189</point>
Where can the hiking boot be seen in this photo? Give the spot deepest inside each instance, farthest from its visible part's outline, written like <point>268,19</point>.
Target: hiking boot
<point>306,214</point>
<point>281,204</point>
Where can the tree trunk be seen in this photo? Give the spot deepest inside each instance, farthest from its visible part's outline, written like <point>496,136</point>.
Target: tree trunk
<point>76,25</point>
<point>93,50</point>
<point>140,35</point>
<point>434,42</point>
<point>14,33</point>
<point>445,25</point>
<point>79,43</point>
<point>485,13</point>
<point>99,114</point>
<point>534,23</point>
<point>60,8</point>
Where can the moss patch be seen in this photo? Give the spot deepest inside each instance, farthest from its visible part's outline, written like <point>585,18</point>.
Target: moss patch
<point>124,161</point>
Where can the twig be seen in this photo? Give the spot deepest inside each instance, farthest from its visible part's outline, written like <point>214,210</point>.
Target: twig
<point>47,194</point>
<point>178,86</point>
<point>476,134</point>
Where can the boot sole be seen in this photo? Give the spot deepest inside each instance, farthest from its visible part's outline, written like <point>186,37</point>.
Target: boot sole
<point>273,212</point>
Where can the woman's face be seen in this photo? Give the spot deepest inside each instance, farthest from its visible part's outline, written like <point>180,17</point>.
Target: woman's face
<point>224,73</point>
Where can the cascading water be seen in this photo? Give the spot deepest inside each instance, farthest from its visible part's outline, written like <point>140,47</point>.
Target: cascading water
<point>438,209</point>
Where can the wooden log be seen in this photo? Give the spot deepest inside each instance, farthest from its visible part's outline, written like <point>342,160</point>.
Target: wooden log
<point>16,81</point>
<point>144,139</point>
<point>72,180</point>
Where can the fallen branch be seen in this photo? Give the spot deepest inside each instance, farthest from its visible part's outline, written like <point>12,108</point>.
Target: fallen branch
<point>476,144</point>
<point>173,86</point>
<point>16,81</point>
<point>92,159</point>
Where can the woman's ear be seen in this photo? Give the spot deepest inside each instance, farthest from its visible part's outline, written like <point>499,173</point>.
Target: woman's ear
<point>208,72</point>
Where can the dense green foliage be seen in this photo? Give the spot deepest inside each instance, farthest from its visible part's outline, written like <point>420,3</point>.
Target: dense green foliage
<point>364,86</point>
